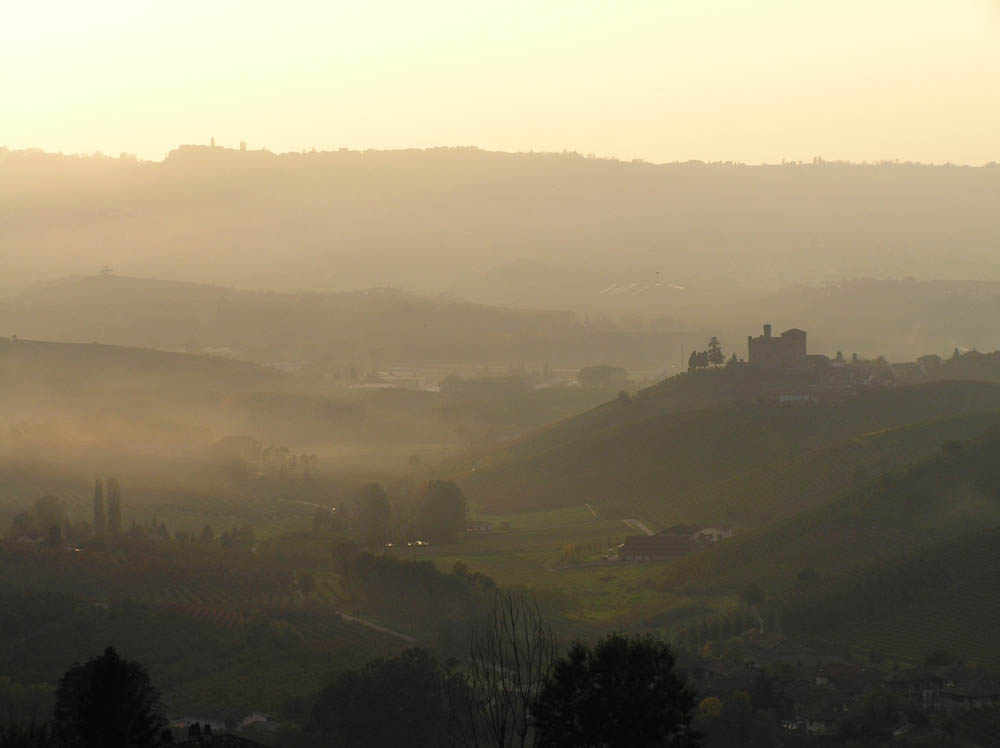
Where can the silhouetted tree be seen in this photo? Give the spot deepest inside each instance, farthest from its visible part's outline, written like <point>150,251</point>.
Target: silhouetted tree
<point>24,523</point>
<point>698,360</point>
<point>207,534</point>
<point>54,537</point>
<point>510,655</point>
<point>306,582</point>
<point>114,507</point>
<point>107,702</point>
<point>99,518</point>
<point>442,511</point>
<point>408,701</point>
<point>622,692</point>
<point>51,510</point>
<point>714,353</point>
<point>373,513</point>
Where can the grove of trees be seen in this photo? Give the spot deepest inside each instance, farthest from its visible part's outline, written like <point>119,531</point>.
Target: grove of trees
<point>619,693</point>
<point>107,702</point>
<point>441,511</point>
<point>713,356</point>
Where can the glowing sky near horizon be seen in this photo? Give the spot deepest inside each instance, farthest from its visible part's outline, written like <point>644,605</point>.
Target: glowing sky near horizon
<point>753,81</point>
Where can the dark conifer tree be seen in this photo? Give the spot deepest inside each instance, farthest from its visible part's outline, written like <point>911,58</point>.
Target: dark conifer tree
<point>114,507</point>
<point>622,692</point>
<point>107,703</point>
<point>99,518</point>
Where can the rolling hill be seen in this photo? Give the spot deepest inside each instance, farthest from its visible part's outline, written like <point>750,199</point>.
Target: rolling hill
<point>367,329</point>
<point>27,365</point>
<point>625,451</point>
<point>954,492</point>
<point>434,220</point>
<point>769,492</point>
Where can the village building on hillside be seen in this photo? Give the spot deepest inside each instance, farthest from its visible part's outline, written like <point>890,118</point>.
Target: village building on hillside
<point>699,534</point>
<point>786,351</point>
<point>226,740</point>
<point>712,534</point>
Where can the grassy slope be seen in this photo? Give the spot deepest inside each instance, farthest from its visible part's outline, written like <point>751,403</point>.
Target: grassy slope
<point>936,499</point>
<point>769,492</point>
<point>622,451</point>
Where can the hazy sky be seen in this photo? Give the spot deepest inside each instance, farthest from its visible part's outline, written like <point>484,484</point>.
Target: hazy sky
<point>748,80</point>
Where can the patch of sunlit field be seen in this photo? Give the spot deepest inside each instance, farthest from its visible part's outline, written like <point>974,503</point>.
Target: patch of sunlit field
<point>558,555</point>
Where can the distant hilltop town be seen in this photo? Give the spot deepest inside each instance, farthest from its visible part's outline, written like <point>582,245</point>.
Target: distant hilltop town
<point>785,351</point>
<point>780,369</point>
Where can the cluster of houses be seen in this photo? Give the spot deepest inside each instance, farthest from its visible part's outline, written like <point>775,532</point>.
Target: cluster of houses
<point>209,731</point>
<point>813,699</point>
<point>673,542</point>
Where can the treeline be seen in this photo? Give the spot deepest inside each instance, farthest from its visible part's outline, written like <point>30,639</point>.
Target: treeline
<point>48,523</point>
<point>435,512</point>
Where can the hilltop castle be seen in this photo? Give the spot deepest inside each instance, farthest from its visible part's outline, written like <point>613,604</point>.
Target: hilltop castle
<point>788,350</point>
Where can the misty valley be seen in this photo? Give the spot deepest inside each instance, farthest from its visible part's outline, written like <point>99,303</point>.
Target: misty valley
<point>437,506</point>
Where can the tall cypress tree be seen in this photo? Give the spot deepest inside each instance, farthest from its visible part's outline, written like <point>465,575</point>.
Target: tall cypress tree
<point>114,507</point>
<point>99,519</point>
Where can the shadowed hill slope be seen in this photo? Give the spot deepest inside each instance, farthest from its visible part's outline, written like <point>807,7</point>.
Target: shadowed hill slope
<point>777,489</point>
<point>626,450</point>
<point>938,498</point>
<point>941,597</point>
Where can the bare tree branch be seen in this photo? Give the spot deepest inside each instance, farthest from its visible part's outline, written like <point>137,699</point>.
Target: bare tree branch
<point>509,657</point>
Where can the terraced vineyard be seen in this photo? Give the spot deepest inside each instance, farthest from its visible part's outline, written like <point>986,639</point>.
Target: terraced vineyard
<point>213,596</point>
<point>934,500</point>
<point>221,618</point>
<point>961,616</point>
<point>264,675</point>
<point>766,493</point>
<point>652,455</point>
